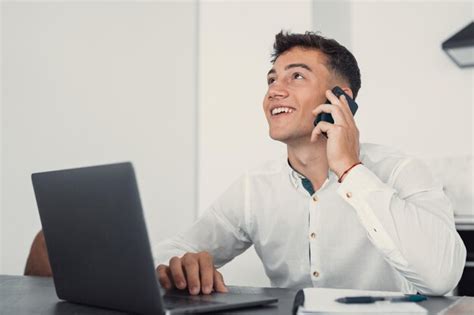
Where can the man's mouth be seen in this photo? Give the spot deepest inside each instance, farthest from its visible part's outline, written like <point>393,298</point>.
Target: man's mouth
<point>281,110</point>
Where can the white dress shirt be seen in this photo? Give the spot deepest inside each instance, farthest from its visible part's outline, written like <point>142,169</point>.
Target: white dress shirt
<point>387,226</point>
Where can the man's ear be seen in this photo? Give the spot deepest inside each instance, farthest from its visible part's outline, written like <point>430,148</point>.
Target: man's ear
<point>348,92</point>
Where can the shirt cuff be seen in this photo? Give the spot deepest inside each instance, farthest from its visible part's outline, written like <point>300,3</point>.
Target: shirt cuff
<point>361,185</point>
<point>360,178</point>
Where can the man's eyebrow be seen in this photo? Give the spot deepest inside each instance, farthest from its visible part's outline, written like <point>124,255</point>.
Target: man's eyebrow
<point>292,65</point>
<point>296,65</point>
<point>271,71</point>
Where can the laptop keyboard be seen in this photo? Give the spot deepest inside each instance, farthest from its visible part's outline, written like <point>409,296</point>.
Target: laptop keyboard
<point>173,301</point>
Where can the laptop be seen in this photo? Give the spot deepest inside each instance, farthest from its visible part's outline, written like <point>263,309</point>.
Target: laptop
<point>99,248</point>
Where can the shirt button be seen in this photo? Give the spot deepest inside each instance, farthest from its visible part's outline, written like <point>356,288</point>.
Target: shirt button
<point>348,194</point>
<point>315,198</point>
<point>313,235</point>
<point>316,274</point>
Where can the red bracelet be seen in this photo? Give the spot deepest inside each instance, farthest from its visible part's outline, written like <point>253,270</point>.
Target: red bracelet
<point>347,171</point>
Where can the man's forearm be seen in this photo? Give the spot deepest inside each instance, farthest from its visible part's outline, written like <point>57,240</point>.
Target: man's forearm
<point>413,229</point>
<point>37,263</point>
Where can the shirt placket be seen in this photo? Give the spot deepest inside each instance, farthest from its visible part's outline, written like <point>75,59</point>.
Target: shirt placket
<point>313,239</point>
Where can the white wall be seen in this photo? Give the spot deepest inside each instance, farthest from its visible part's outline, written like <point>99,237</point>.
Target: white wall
<point>90,83</point>
<point>413,96</point>
<point>333,19</point>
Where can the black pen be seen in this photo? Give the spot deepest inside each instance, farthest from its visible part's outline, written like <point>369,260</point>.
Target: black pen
<point>373,299</point>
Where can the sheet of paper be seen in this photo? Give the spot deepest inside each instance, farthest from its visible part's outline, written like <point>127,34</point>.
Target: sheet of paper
<point>319,300</point>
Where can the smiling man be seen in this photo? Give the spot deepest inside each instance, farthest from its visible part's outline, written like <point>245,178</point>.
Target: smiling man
<point>334,213</point>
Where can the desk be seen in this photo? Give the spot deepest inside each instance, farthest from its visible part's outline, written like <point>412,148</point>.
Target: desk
<point>465,227</point>
<point>36,295</point>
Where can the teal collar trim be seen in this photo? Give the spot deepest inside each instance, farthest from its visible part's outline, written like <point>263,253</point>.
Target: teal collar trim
<point>304,181</point>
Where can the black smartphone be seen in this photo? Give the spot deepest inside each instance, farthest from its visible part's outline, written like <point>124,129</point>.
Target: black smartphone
<point>328,117</point>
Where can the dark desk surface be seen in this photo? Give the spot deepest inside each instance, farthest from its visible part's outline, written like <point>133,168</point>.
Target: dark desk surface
<point>36,295</point>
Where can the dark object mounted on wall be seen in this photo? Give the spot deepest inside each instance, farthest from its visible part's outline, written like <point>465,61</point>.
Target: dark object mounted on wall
<point>460,46</point>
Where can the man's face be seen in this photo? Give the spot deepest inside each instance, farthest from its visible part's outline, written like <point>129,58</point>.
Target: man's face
<point>296,85</point>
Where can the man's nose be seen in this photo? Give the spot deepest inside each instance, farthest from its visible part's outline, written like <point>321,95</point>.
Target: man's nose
<point>277,90</point>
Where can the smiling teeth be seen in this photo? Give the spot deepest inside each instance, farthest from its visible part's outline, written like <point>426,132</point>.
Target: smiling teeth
<point>281,110</point>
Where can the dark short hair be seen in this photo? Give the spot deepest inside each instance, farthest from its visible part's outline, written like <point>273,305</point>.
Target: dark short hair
<point>340,60</point>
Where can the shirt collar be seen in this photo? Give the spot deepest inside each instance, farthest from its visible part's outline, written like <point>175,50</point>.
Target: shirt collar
<point>296,178</point>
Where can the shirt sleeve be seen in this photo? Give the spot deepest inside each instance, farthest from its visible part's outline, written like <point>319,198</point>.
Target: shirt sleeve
<point>222,230</point>
<point>410,220</point>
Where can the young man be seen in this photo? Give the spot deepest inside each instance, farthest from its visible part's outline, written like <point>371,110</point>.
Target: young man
<point>334,214</point>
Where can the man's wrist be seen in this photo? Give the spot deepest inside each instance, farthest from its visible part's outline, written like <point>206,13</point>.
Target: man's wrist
<point>339,170</point>
<point>346,172</point>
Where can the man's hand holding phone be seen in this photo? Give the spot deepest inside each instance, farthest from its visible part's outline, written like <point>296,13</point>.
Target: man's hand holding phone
<point>194,271</point>
<point>342,135</point>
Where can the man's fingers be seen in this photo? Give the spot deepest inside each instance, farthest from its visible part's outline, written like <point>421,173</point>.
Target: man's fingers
<point>176,269</point>
<point>194,271</point>
<point>342,103</point>
<point>331,97</point>
<point>219,284</point>
<point>346,110</point>
<point>315,134</point>
<point>163,277</point>
<point>206,269</point>
<point>335,111</point>
<point>191,268</point>
<point>322,126</point>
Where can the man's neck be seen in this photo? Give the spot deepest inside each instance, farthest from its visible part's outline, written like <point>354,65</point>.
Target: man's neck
<point>310,160</point>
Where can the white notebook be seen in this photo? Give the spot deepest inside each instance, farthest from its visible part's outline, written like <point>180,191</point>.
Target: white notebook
<point>320,300</point>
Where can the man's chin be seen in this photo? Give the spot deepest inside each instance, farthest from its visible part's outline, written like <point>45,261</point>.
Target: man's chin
<point>280,137</point>
<point>290,139</point>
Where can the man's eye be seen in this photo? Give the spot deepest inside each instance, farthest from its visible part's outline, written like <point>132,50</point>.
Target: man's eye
<point>298,76</point>
<point>270,80</point>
